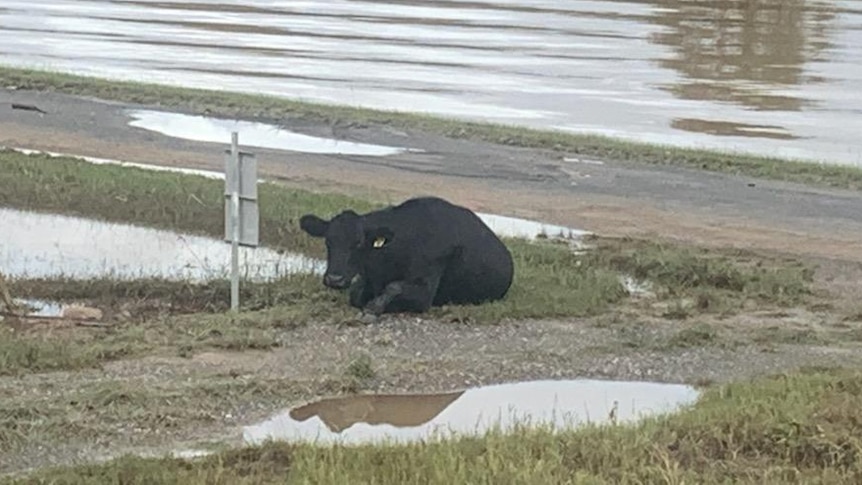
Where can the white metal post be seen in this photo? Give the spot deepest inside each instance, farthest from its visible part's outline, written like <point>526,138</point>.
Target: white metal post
<point>234,245</point>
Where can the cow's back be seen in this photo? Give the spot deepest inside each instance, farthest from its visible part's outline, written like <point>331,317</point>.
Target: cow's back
<point>479,266</point>
<point>482,269</point>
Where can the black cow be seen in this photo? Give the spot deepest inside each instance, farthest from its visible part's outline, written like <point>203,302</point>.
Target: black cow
<point>423,252</point>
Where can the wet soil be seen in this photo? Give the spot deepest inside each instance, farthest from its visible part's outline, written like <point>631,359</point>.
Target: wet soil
<point>418,355</point>
<point>634,342</point>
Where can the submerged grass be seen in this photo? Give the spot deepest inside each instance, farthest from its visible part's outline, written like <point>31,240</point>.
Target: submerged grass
<point>271,107</point>
<point>798,428</point>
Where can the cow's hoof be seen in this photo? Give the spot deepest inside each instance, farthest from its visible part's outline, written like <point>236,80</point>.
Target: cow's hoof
<point>368,318</point>
<point>351,322</point>
<point>375,307</point>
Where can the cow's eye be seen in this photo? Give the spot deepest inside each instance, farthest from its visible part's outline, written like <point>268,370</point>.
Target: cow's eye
<point>379,242</point>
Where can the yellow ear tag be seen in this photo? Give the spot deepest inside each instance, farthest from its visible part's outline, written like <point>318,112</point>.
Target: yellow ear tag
<point>379,242</point>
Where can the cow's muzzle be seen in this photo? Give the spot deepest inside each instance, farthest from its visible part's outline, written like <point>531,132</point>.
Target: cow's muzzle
<point>336,281</point>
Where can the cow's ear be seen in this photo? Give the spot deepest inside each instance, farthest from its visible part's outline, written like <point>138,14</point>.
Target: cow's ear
<point>313,225</point>
<point>379,237</point>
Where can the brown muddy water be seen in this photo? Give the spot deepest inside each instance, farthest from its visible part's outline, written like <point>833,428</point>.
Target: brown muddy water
<point>776,77</point>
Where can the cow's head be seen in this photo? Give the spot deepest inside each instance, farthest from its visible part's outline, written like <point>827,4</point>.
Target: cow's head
<point>348,242</point>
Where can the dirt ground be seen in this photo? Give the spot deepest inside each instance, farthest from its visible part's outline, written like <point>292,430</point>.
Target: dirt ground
<point>610,198</point>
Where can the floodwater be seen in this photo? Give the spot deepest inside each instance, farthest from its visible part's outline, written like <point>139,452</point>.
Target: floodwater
<point>777,77</point>
<point>403,418</point>
<point>45,245</point>
<point>207,129</point>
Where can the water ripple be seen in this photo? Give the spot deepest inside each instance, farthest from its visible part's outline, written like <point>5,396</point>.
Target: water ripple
<point>683,72</point>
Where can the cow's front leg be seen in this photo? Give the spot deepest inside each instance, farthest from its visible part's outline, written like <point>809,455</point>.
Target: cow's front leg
<point>361,292</point>
<point>378,305</point>
<point>403,296</point>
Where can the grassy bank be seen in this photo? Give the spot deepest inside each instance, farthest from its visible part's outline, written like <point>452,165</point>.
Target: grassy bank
<point>222,103</point>
<point>551,280</point>
<point>800,428</point>
<point>107,410</point>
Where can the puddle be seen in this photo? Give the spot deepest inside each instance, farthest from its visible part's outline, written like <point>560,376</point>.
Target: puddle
<point>637,287</point>
<point>202,128</point>
<point>40,308</point>
<point>210,174</point>
<point>515,227</point>
<point>506,226</point>
<point>191,453</point>
<point>403,418</point>
<point>108,161</point>
<point>45,245</point>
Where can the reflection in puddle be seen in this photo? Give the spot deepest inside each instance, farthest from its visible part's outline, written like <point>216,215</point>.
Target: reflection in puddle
<point>747,52</point>
<point>202,128</point>
<point>401,418</point>
<point>726,128</point>
<point>45,245</point>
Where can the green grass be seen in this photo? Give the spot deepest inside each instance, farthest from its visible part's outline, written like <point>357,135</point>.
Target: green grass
<point>713,280</point>
<point>38,353</point>
<point>551,280</point>
<point>800,428</point>
<point>694,336</point>
<point>154,327</point>
<point>108,409</point>
<point>176,296</point>
<point>275,108</point>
